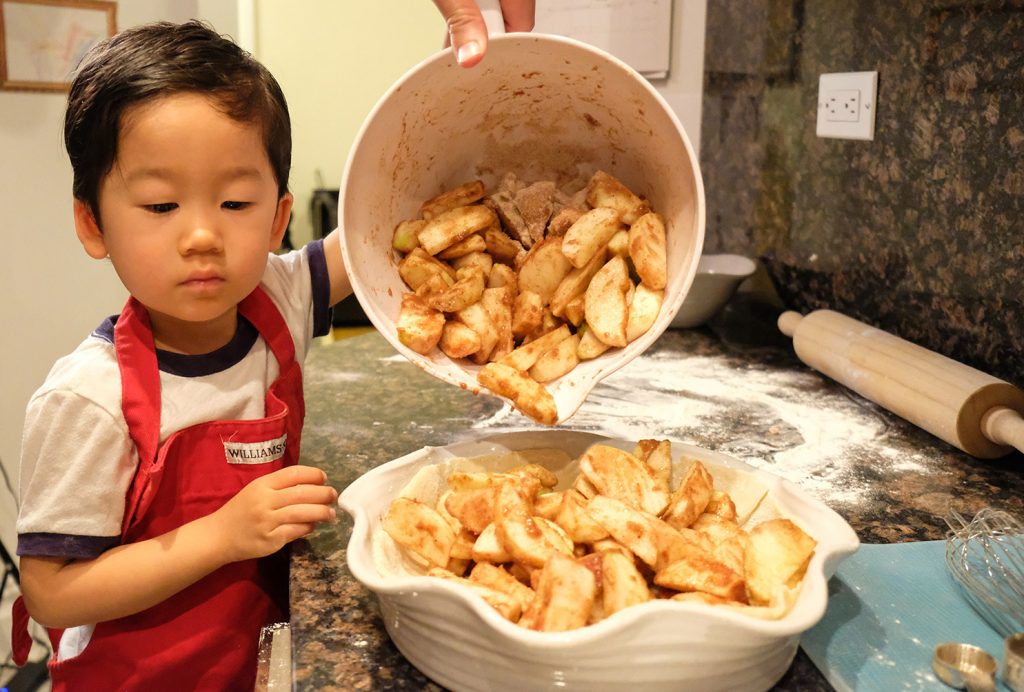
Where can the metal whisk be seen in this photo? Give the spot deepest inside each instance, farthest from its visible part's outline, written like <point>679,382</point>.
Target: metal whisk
<point>986,557</point>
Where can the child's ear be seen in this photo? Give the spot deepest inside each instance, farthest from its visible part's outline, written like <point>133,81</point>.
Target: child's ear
<point>281,219</point>
<point>88,231</point>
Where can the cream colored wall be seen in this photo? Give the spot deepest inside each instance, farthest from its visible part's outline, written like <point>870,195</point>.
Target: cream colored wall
<point>334,60</point>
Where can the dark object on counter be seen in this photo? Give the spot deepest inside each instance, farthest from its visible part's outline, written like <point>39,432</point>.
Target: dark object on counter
<point>323,213</point>
<point>29,677</point>
<point>975,412</point>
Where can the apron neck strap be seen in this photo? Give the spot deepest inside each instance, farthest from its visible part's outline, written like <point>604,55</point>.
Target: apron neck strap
<point>140,377</point>
<point>258,308</point>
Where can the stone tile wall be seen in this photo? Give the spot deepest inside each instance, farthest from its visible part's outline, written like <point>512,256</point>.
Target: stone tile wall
<point>919,232</point>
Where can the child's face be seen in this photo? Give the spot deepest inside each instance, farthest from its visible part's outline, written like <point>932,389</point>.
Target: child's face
<point>189,211</point>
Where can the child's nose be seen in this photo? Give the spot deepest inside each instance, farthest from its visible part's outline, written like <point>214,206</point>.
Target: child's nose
<point>201,236</point>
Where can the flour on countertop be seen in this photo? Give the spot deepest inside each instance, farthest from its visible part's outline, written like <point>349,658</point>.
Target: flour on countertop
<point>777,419</point>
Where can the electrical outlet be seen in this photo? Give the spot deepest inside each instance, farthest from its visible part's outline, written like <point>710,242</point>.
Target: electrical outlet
<point>842,106</point>
<point>846,105</point>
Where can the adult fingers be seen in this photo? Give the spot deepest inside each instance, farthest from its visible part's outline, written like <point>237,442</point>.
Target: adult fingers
<point>466,30</point>
<point>519,14</point>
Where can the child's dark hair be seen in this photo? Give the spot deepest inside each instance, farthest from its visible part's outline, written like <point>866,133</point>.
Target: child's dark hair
<point>159,59</point>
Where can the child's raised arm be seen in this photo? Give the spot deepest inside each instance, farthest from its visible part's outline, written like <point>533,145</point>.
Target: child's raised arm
<point>265,515</point>
<point>341,285</point>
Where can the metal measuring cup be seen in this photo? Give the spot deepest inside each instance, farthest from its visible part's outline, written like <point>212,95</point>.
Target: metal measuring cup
<point>964,666</point>
<point>1013,662</point>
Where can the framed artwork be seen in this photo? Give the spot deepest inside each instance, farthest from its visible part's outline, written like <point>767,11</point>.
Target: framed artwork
<point>42,41</point>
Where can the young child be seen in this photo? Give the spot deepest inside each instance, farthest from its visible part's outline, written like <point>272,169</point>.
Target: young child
<point>160,484</point>
<point>159,475</point>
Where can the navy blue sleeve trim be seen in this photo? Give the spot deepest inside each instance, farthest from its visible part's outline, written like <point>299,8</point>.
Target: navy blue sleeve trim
<point>64,545</point>
<point>321,284</point>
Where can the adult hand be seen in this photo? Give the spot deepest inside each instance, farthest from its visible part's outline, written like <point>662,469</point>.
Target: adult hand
<point>467,33</point>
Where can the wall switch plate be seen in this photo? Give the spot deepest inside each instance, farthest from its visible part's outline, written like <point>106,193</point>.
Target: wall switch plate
<point>846,105</point>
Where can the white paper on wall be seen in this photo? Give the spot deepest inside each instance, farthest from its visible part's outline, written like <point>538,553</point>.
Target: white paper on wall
<point>638,32</point>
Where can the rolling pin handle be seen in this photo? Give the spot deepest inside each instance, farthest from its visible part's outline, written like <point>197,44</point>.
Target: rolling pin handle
<point>788,322</point>
<point>1004,426</point>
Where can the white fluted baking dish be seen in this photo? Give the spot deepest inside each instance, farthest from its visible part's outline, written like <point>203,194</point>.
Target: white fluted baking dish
<point>459,641</point>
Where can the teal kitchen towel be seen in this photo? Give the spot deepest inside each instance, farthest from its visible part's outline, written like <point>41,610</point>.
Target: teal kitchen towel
<point>889,607</point>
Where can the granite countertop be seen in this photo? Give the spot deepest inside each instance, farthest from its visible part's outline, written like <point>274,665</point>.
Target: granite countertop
<point>734,387</point>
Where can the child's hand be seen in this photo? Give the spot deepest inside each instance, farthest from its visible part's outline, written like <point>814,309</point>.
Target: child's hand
<point>272,511</point>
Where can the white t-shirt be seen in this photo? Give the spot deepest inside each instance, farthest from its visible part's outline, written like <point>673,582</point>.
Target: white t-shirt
<point>77,458</point>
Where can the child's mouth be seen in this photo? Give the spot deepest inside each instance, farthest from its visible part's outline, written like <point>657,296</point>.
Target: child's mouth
<point>203,283</point>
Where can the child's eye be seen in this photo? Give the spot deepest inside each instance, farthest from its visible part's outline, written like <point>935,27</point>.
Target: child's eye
<point>235,206</point>
<point>162,208</point>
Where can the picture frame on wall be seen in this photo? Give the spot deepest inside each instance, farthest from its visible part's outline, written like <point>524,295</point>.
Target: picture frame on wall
<point>42,41</point>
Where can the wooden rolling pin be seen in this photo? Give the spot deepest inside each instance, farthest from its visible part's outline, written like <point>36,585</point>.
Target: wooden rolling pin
<point>976,412</point>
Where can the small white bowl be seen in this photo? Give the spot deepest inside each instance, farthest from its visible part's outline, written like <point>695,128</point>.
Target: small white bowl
<point>459,641</point>
<point>717,278</point>
<point>546,108</point>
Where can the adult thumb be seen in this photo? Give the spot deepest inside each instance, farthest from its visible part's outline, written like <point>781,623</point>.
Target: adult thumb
<point>467,32</point>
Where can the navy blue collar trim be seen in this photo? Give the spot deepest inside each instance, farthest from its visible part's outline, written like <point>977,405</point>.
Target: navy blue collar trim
<point>196,366</point>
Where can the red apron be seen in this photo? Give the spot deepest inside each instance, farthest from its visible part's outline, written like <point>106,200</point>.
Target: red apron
<point>206,636</point>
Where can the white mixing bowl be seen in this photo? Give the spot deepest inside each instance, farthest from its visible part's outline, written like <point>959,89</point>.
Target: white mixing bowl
<point>456,639</point>
<point>544,107</point>
<point>718,277</point>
